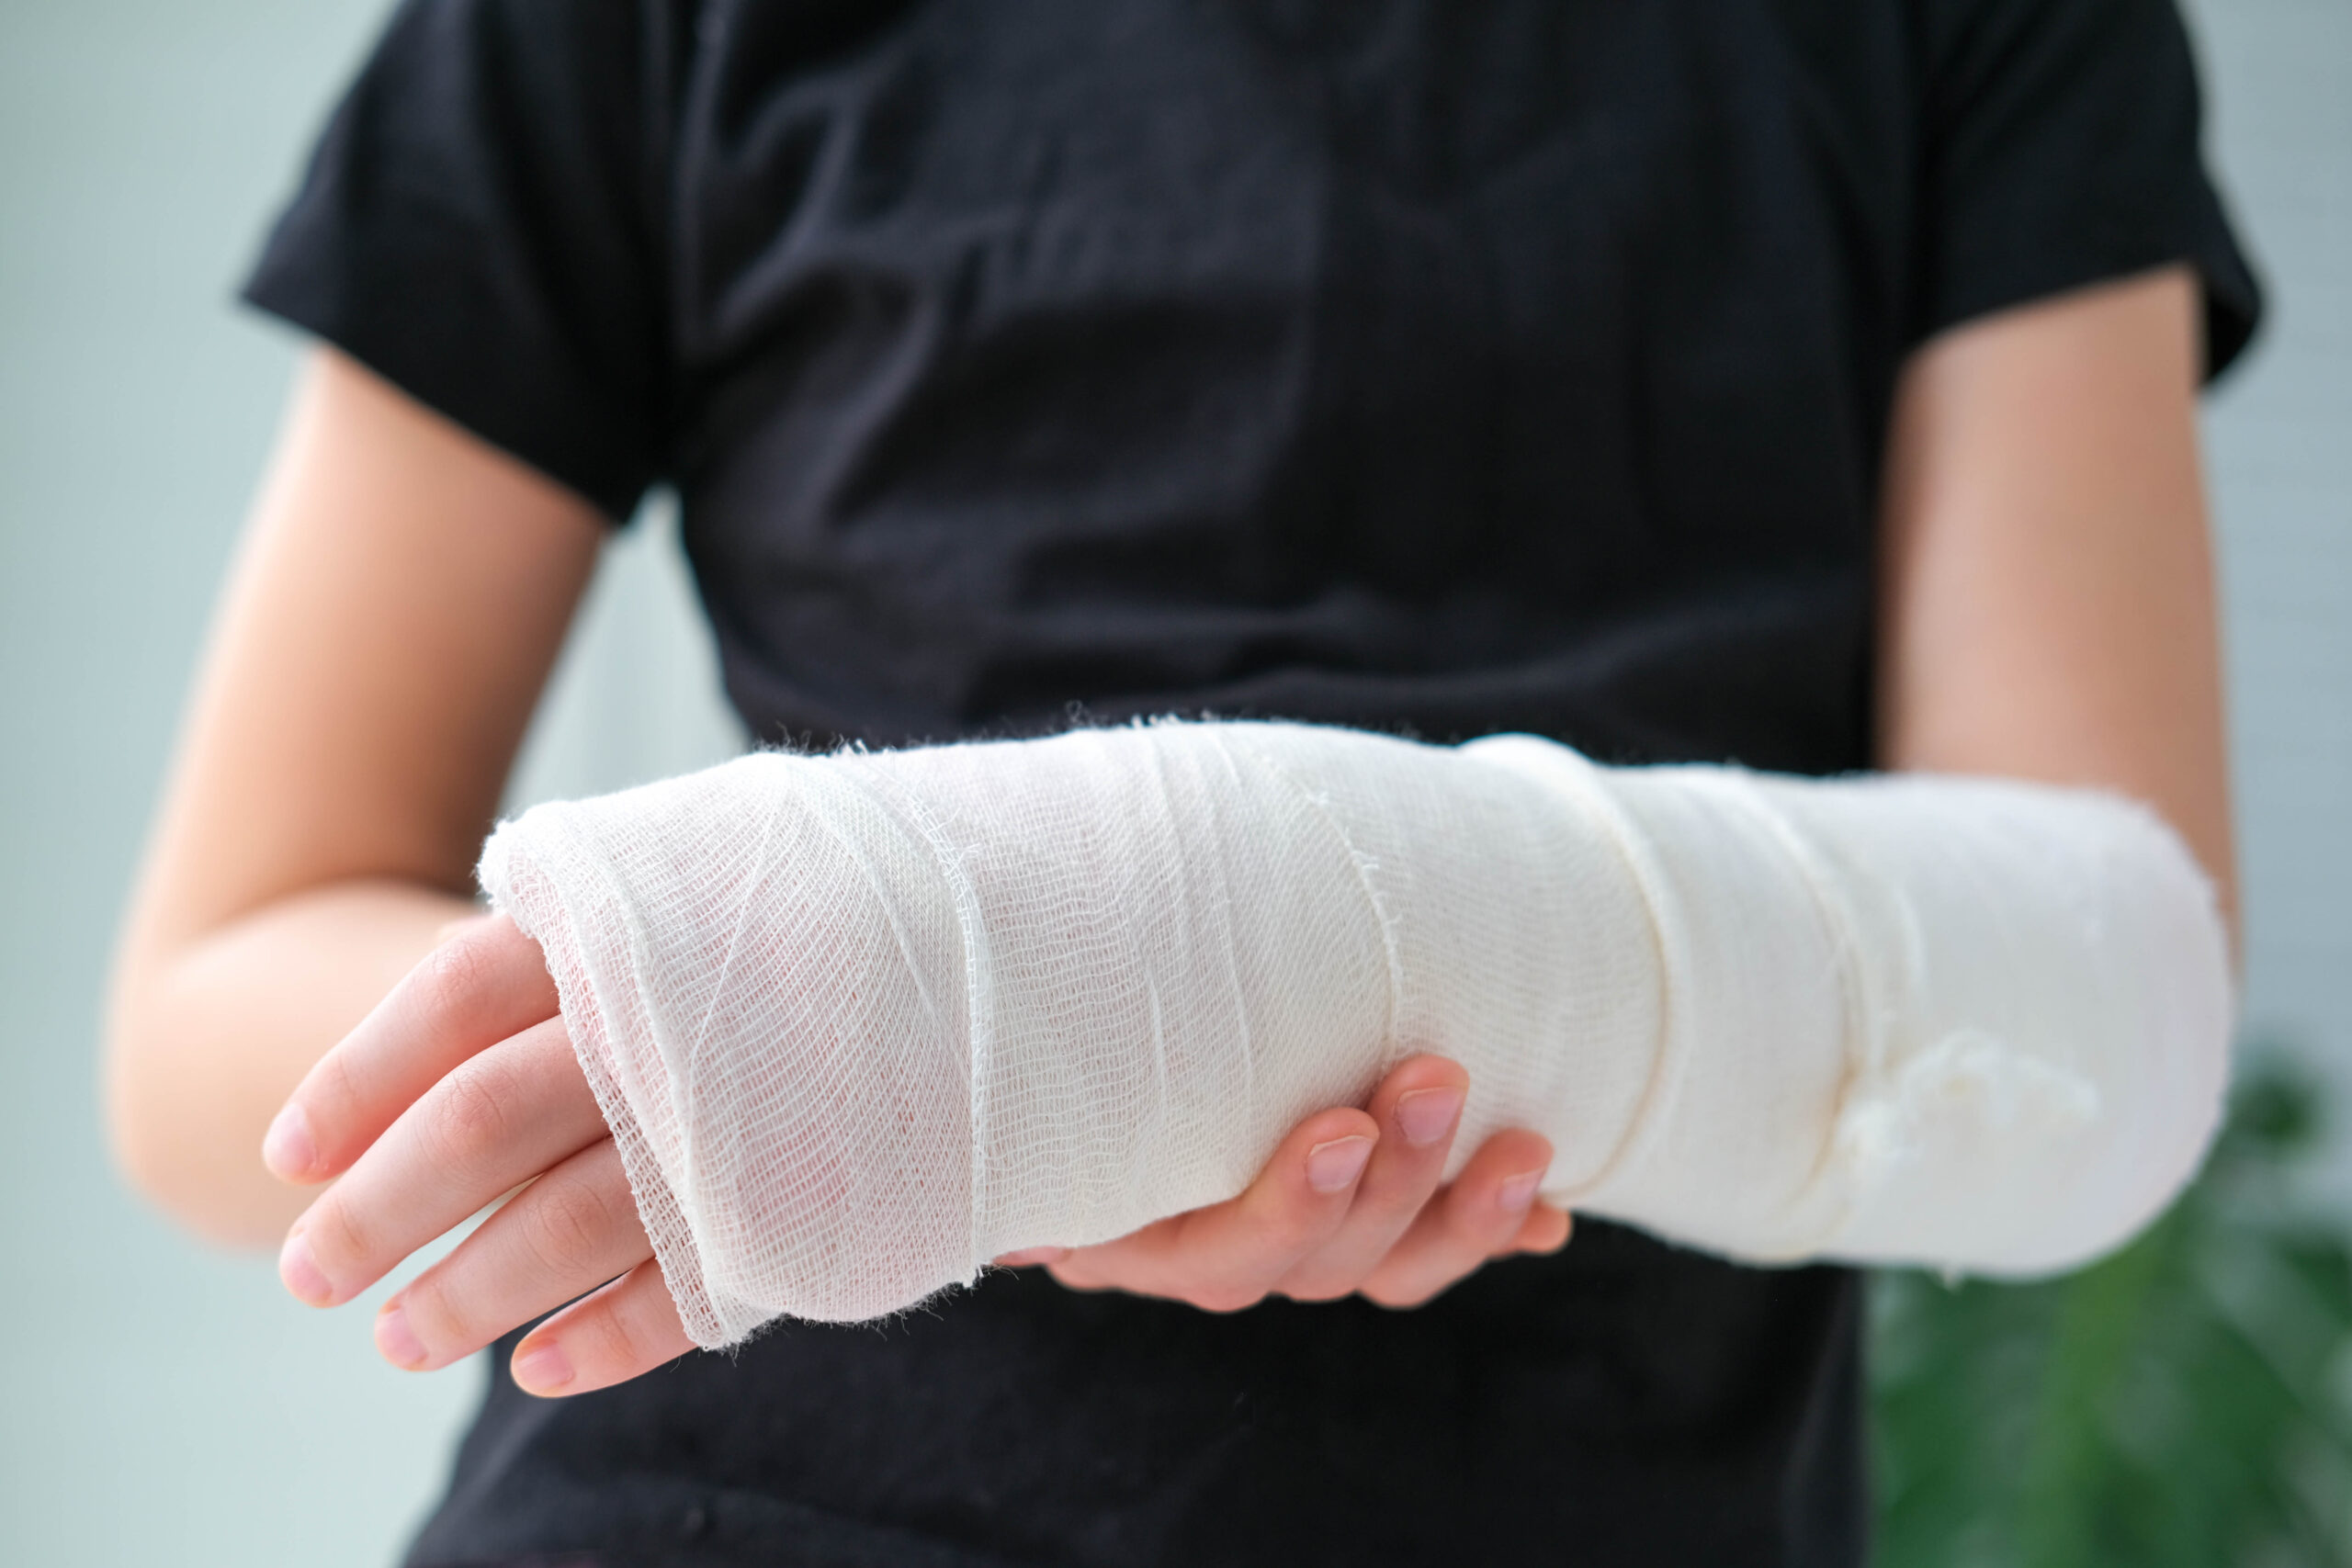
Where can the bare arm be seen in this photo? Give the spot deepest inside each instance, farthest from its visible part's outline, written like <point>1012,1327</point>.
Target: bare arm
<point>396,605</point>
<point>2048,586</point>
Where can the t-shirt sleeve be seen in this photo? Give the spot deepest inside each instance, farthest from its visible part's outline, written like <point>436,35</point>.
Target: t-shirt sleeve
<point>2061,148</point>
<point>480,225</point>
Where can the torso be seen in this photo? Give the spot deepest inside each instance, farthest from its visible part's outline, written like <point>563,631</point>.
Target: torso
<point>1441,367</point>
<point>1448,367</point>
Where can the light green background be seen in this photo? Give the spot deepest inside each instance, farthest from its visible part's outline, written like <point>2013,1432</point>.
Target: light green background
<point>160,1402</point>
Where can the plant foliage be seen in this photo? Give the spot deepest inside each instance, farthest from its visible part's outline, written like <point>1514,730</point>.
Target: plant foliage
<point>2183,1402</point>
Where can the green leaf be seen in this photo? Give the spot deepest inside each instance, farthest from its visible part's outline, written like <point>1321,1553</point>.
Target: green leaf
<point>2181,1402</point>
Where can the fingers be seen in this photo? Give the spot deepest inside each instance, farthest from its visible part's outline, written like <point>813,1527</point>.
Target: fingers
<point>568,1232</point>
<point>1547,1230</point>
<point>627,1328</point>
<point>1378,1223</point>
<point>1485,1213</point>
<point>1417,1107</point>
<point>1227,1256</point>
<point>1029,1257</point>
<point>486,982</point>
<point>499,1119</point>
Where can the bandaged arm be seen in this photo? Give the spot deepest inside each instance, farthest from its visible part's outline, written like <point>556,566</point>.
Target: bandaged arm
<point>861,1023</point>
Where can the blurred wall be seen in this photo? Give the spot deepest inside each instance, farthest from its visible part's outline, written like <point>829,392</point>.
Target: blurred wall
<point>159,1401</point>
<point>2278,75</point>
<point>162,1403</point>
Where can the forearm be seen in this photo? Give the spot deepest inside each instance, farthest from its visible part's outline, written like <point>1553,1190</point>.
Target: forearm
<point>863,1022</point>
<point>1972,1023</point>
<point>397,599</point>
<point>208,1034</point>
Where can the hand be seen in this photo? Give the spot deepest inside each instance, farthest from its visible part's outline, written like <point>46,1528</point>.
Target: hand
<point>1349,1204</point>
<point>461,1085</point>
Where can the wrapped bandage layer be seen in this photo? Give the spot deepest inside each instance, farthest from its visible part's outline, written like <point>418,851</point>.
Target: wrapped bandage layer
<point>860,1022</point>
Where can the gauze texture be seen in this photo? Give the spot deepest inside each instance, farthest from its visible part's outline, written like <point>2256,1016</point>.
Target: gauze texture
<point>860,1022</point>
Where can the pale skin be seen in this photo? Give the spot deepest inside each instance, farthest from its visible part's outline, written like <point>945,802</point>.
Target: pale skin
<point>2047,613</point>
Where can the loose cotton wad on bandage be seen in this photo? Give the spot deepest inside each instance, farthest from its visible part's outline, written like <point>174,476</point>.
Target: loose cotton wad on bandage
<point>861,1023</point>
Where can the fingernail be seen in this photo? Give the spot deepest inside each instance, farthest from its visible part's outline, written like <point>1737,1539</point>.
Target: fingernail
<point>289,1151</point>
<point>1428,1114</point>
<point>1515,1195</point>
<point>1332,1167</point>
<point>543,1369</point>
<point>1033,1254</point>
<point>396,1339</point>
<point>300,1275</point>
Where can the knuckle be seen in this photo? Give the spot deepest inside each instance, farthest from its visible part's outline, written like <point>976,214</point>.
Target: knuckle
<point>469,1115</point>
<point>453,974</point>
<point>1291,1233</point>
<point>436,1314</point>
<point>330,1082</point>
<point>1391,1210</point>
<point>339,1242</point>
<point>1471,1222</point>
<point>617,1339</point>
<point>566,1219</point>
<point>330,1097</point>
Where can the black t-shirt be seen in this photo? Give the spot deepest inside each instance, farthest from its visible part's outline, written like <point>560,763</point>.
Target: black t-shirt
<point>1421,364</point>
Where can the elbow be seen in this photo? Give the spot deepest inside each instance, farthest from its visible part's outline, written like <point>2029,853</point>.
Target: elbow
<point>139,1133</point>
<point>156,1129</point>
<point>134,1141</point>
<point>137,1141</point>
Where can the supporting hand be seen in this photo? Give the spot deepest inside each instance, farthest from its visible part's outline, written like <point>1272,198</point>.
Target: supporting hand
<point>1349,1204</point>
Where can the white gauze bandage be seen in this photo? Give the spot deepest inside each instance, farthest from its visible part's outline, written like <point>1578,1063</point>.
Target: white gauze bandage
<point>861,1023</point>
